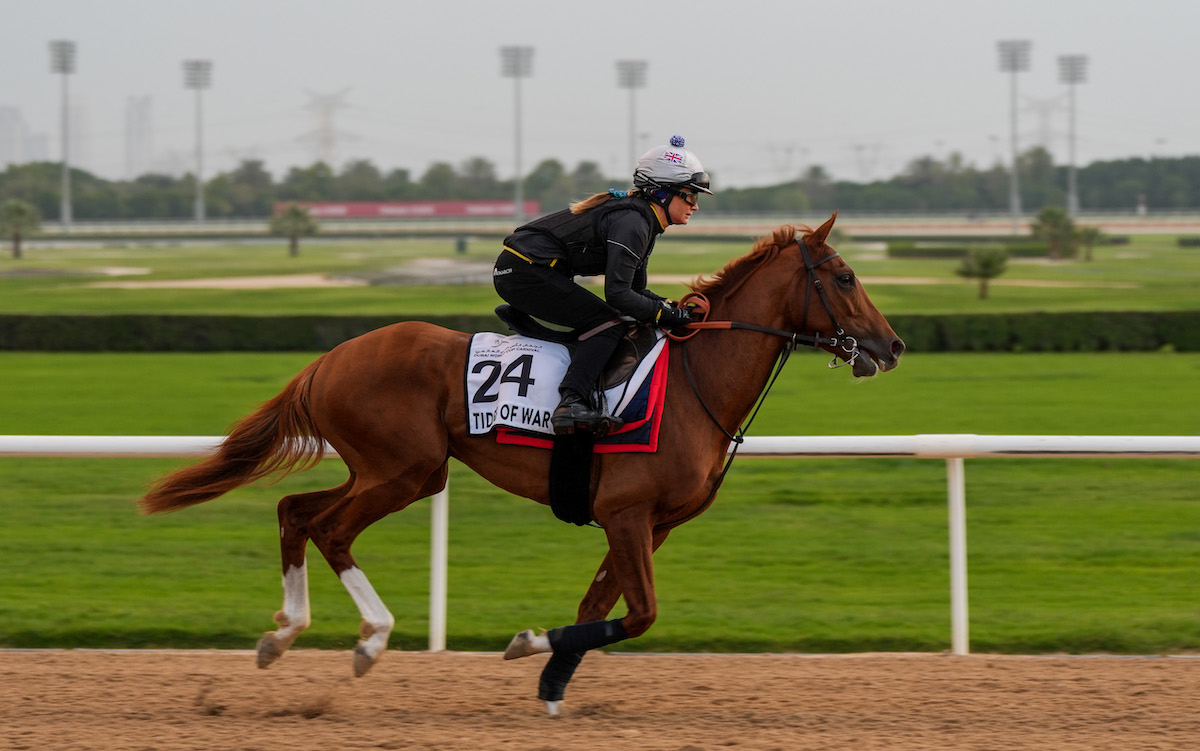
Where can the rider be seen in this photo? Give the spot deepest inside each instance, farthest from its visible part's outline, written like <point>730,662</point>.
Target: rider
<point>612,234</point>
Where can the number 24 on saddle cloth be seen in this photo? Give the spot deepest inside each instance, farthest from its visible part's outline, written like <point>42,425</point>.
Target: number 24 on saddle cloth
<point>512,388</point>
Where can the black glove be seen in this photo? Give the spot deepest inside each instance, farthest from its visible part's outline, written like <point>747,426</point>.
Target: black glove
<point>673,318</point>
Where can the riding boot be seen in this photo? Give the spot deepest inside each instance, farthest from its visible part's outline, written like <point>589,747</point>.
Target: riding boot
<point>575,411</point>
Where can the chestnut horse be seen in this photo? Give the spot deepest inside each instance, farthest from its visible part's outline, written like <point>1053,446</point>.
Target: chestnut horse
<point>391,402</point>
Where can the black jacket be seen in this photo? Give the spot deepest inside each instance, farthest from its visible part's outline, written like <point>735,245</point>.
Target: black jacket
<point>615,239</point>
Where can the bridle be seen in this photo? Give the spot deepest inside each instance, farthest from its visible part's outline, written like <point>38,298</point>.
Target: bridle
<point>839,339</point>
<point>793,339</point>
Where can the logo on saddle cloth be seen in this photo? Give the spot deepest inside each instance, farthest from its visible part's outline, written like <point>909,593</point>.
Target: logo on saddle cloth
<point>512,388</point>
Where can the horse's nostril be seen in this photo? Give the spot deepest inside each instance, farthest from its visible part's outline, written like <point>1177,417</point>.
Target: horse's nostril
<point>898,347</point>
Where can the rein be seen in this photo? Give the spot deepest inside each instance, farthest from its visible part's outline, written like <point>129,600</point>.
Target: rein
<point>794,339</point>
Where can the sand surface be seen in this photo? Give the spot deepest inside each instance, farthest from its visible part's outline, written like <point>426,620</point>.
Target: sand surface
<point>199,700</point>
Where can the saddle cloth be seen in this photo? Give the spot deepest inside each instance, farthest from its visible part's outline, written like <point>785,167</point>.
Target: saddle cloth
<point>512,387</point>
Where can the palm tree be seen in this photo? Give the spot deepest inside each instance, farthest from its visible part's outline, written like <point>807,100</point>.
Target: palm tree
<point>294,223</point>
<point>983,264</point>
<point>1088,237</point>
<point>18,219</point>
<point>1054,225</point>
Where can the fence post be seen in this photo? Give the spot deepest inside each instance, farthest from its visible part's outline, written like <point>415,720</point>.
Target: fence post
<point>956,493</point>
<point>439,535</point>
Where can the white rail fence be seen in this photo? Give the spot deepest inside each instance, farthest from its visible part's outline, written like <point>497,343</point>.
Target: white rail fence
<point>953,448</point>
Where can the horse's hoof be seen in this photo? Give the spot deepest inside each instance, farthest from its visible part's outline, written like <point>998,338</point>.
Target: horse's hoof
<point>553,708</point>
<point>363,662</point>
<point>526,643</point>
<point>520,646</point>
<point>268,649</point>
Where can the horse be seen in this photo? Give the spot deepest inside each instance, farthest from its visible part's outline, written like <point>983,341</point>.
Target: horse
<point>391,402</point>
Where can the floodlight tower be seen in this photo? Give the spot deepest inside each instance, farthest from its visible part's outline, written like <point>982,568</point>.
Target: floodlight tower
<point>62,60</point>
<point>517,63</point>
<point>1014,58</point>
<point>197,74</point>
<point>1072,70</point>
<point>631,74</point>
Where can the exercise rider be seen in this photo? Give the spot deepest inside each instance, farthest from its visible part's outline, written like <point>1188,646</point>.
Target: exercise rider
<point>610,234</point>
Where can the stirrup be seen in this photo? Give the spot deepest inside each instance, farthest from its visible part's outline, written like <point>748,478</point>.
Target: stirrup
<point>598,424</point>
<point>574,413</point>
<point>608,424</point>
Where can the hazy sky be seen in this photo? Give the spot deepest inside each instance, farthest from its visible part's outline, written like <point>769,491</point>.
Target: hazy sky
<point>760,89</point>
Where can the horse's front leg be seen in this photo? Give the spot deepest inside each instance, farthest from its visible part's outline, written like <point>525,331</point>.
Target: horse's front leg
<point>632,559</point>
<point>605,589</point>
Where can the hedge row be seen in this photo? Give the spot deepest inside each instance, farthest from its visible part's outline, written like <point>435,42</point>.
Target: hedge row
<point>907,249</point>
<point>1051,332</point>
<point>953,239</point>
<point>169,333</point>
<point>1189,242</point>
<point>1014,332</point>
<point>946,249</point>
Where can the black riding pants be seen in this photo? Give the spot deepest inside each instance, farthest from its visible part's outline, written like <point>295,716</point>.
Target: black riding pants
<point>542,292</point>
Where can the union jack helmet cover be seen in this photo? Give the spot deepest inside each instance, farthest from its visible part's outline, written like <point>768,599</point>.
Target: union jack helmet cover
<point>670,166</point>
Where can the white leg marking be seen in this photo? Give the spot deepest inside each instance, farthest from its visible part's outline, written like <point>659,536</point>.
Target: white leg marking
<point>527,643</point>
<point>377,620</point>
<point>295,616</point>
<point>292,619</point>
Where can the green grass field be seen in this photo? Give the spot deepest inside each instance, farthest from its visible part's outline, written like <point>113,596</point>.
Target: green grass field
<point>1151,273</point>
<point>796,555</point>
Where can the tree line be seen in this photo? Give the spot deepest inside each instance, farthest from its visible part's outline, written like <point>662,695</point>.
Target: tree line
<point>925,185</point>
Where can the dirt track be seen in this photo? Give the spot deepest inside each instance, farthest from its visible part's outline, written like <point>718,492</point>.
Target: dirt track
<point>219,700</point>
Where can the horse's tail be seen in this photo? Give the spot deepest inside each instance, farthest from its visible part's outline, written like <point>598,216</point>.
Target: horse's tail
<point>280,437</point>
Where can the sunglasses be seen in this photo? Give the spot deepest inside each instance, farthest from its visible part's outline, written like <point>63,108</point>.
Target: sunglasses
<point>691,199</point>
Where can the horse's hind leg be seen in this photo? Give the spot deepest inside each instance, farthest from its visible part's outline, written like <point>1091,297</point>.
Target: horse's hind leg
<point>334,531</point>
<point>295,513</point>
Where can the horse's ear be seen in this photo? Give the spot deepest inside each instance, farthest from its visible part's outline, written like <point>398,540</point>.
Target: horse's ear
<point>823,231</point>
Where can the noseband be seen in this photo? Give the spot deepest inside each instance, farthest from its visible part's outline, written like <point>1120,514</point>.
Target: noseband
<point>848,344</point>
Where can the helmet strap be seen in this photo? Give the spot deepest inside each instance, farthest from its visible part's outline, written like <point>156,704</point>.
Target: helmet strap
<point>661,196</point>
<point>664,204</point>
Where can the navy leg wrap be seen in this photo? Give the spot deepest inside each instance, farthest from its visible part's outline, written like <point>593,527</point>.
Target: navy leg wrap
<point>570,643</point>
<point>557,674</point>
<point>584,636</point>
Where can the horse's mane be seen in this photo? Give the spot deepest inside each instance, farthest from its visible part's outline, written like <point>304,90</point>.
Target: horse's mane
<point>726,281</point>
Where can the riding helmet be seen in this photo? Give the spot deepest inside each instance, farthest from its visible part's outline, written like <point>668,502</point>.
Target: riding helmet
<point>670,167</point>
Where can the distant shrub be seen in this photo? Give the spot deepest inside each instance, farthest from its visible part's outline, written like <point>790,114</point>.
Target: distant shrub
<point>911,249</point>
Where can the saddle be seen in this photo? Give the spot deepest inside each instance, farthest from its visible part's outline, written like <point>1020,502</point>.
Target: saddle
<point>638,340</point>
<point>571,455</point>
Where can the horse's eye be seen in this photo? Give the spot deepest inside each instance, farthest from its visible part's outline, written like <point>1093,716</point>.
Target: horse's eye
<point>846,280</point>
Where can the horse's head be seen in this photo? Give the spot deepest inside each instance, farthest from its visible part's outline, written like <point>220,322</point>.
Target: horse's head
<point>795,284</point>
<point>827,300</point>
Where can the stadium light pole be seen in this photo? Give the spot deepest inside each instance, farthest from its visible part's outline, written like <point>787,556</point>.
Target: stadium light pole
<point>197,75</point>
<point>517,63</point>
<point>1014,58</point>
<point>62,60</point>
<point>1072,70</point>
<point>631,74</point>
